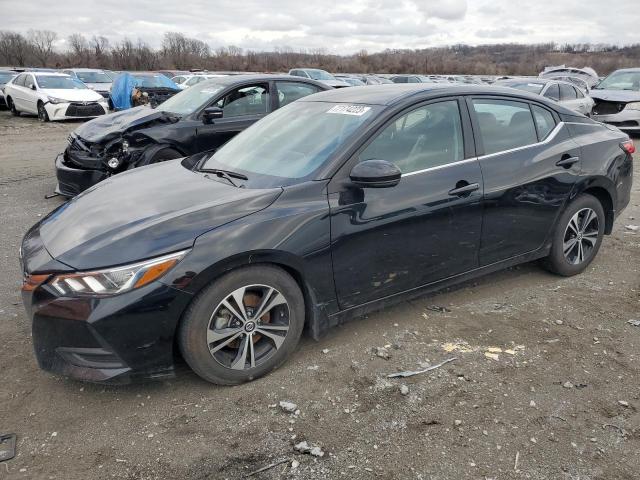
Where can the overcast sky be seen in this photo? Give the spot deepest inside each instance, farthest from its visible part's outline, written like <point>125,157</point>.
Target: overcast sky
<point>337,26</point>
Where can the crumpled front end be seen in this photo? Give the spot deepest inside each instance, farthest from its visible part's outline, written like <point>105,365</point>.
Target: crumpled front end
<point>83,163</point>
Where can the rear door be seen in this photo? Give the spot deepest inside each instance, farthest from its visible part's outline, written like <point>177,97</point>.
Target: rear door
<point>569,98</point>
<point>29,95</point>
<point>426,228</point>
<point>529,164</point>
<point>18,91</point>
<point>242,107</point>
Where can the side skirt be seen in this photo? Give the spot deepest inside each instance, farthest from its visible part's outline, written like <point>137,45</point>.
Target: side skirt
<point>382,303</point>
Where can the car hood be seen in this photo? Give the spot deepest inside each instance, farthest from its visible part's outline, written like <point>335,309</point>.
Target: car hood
<point>615,95</point>
<point>334,83</point>
<point>99,87</point>
<point>143,213</point>
<point>79,95</point>
<point>106,127</point>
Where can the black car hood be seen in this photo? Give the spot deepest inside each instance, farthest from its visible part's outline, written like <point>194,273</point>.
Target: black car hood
<point>106,127</point>
<point>615,95</point>
<point>144,213</point>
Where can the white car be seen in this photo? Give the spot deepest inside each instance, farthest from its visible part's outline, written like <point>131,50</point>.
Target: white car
<point>53,96</point>
<point>94,78</point>
<point>186,81</point>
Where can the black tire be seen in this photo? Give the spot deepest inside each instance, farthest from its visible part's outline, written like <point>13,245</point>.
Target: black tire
<point>43,116</point>
<point>198,322</point>
<point>567,260</point>
<point>161,154</point>
<point>12,107</point>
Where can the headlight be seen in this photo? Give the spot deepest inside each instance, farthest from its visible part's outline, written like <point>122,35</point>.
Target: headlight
<point>55,100</point>
<point>115,280</point>
<point>633,106</point>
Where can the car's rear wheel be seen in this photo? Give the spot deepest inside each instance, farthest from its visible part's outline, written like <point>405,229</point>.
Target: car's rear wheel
<point>577,237</point>
<point>43,116</point>
<point>243,325</point>
<point>12,107</point>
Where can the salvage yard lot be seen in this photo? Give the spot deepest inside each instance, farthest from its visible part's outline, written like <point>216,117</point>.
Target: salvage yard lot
<point>544,385</point>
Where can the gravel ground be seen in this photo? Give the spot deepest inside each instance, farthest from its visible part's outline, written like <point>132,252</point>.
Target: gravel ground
<point>544,384</point>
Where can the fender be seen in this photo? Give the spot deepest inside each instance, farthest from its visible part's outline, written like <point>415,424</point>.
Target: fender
<point>149,152</point>
<point>605,190</point>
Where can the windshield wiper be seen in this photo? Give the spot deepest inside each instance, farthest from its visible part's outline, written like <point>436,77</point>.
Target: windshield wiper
<point>226,174</point>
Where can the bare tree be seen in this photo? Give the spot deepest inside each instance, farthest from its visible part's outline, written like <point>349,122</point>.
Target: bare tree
<point>42,44</point>
<point>14,48</point>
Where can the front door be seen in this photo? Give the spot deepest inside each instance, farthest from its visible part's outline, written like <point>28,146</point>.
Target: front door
<point>242,107</point>
<point>530,165</point>
<point>426,228</point>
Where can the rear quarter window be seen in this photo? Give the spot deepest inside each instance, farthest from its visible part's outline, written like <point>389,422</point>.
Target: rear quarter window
<point>544,121</point>
<point>504,124</point>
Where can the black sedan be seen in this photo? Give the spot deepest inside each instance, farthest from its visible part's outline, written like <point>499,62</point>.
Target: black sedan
<point>340,203</point>
<point>198,119</point>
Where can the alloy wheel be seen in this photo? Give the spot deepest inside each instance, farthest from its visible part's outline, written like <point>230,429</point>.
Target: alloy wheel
<point>248,327</point>
<point>581,236</point>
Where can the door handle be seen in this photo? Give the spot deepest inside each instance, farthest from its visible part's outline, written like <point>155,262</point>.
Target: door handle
<point>567,162</point>
<point>464,190</point>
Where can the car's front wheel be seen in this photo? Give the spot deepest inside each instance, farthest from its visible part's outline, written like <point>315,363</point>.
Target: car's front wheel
<point>43,116</point>
<point>577,237</point>
<point>243,325</point>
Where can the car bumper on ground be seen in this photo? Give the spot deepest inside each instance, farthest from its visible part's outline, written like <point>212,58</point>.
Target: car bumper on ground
<point>107,340</point>
<point>73,181</point>
<point>628,120</point>
<point>76,110</point>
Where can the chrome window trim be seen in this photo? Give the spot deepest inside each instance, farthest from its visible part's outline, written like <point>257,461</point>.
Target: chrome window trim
<point>440,167</point>
<point>549,138</point>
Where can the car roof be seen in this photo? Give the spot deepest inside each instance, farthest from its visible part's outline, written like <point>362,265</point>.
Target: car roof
<point>231,79</point>
<point>48,74</point>
<point>84,69</point>
<point>392,94</point>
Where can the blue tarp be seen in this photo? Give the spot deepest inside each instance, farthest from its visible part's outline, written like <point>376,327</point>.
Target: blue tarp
<point>124,83</point>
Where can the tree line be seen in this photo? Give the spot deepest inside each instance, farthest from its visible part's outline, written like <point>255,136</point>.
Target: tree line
<point>36,48</point>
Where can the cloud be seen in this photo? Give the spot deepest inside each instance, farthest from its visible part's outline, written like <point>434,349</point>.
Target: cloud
<point>333,25</point>
<point>445,9</point>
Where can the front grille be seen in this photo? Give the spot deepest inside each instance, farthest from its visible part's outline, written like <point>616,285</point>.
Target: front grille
<point>602,107</point>
<point>628,123</point>
<point>82,110</point>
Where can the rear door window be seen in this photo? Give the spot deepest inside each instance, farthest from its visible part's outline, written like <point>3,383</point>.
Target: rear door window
<point>19,81</point>
<point>553,92</point>
<point>291,91</point>
<point>567,92</point>
<point>504,124</point>
<point>544,121</point>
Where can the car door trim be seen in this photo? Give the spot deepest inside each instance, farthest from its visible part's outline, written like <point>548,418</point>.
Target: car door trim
<point>440,167</point>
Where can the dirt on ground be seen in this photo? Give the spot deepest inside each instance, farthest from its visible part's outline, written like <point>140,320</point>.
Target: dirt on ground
<point>544,384</point>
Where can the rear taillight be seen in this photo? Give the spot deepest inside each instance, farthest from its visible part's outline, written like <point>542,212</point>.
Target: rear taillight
<point>628,147</point>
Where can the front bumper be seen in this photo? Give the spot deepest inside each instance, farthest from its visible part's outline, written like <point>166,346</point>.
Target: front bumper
<point>110,339</point>
<point>60,111</point>
<point>73,181</point>
<point>628,120</point>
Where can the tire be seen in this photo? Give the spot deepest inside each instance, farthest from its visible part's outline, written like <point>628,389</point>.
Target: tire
<point>161,155</point>
<point>43,116</point>
<point>575,244</point>
<point>12,107</point>
<point>223,348</point>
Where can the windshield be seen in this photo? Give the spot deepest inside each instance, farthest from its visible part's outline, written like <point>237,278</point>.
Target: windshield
<point>151,81</point>
<point>292,142</point>
<point>527,86</point>
<point>621,81</point>
<point>94,77</point>
<point>319,75</point>
<point>56,82</point>
<point>6,76</point>
<point>191,99</point>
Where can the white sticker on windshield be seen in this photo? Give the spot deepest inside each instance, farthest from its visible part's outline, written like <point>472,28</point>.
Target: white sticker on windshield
<point>357,110</point>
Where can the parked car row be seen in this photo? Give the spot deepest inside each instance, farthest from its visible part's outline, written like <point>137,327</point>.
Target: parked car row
<point>337,203</point>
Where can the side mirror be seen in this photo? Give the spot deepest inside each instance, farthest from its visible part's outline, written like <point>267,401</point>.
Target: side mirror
<point>375,174</point>
<point>33,87</point>
<point>211,113</point>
